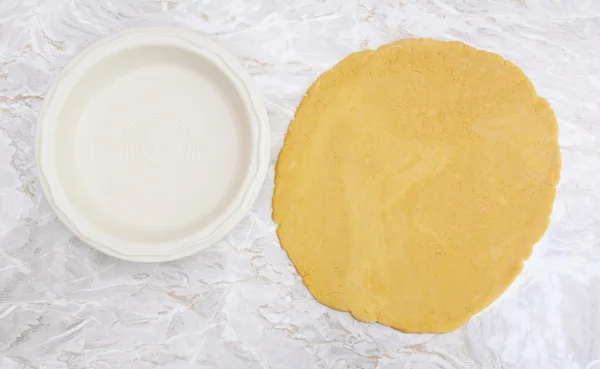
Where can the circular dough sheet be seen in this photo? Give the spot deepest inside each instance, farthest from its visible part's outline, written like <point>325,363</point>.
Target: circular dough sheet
<point>414,181</point>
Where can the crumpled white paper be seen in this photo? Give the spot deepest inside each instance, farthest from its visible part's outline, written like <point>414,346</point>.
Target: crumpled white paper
<point>241,304</point>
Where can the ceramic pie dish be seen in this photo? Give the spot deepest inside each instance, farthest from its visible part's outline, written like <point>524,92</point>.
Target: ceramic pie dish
<point>152,144</point>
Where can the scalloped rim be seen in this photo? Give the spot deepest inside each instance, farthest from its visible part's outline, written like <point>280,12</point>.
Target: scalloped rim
<point>198,240</point>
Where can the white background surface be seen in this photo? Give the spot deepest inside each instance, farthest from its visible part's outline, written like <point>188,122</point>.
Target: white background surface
<point>240,304</point>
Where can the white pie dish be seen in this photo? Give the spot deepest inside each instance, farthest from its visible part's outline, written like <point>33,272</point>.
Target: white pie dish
<point>152,144</point>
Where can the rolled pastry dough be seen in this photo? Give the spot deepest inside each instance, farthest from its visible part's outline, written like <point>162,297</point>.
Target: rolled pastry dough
<point>414,181</point>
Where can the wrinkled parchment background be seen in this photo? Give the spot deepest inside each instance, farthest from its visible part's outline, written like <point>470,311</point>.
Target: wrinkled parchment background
<point>240,304</point>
